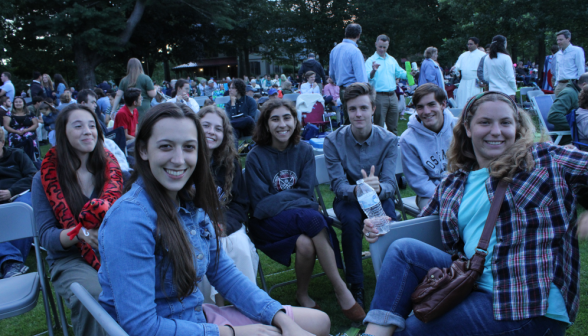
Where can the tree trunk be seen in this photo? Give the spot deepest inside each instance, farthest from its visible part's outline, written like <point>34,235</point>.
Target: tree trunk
<point>541,53</point>
<point>86,62</point>
<point>241,64</point>
<point>513,52</point>
<point>246,60</point>
<point>166,72</point>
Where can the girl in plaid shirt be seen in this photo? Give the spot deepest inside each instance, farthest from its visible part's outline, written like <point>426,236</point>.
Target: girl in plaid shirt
<point>530,283</point>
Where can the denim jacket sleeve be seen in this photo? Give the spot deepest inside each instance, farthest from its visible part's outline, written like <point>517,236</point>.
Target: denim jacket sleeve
<point>236,288</point>
<point>128,271</point>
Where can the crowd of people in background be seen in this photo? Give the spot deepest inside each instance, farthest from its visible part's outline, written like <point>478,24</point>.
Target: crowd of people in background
<point>153,175</point>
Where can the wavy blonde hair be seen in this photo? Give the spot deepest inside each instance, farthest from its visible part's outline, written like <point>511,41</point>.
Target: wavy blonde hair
<point>516,158</point>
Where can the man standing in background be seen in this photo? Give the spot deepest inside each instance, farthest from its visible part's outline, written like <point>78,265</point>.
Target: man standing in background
<point>346,63</point>
<point>383,71</point>
<point>468,63</point>
<point>569,61</point>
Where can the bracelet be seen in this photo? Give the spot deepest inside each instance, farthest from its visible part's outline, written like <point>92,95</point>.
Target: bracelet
<point>233,329</point>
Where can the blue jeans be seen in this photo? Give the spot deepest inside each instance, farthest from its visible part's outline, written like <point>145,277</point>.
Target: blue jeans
<point>17,250</point>
<point>351,216</point>
<point>406,263</point>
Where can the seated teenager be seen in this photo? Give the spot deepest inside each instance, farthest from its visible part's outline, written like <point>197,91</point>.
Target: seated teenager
<point>241,110</point>
<point>47,117</point>
<point>128,116</point>
<point>181,94</point>
<point>230,185</point>
<point>16,176</point>
<point>281,176</point>
<point>88,98</point>
<point>310,86</point>
<point>165,231</point>
<point>351,153</point>
<point>78,182</point>
<point>425,143</point>
<point>582,117</point>
<point>21,127</point>
<point>565,102</point>
<point>531,276</point>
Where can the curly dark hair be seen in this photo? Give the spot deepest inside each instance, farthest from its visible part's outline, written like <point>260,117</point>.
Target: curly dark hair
<point>262,136</point>
<point>240,86</point>
<point>583,99</point>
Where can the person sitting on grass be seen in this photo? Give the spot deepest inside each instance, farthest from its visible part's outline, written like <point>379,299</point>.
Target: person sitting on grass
<point>425,143</point>
<point>230,184</point>
<point>128,116</point>
<point>530,284</point>
<point>16,176</point>
<point>165,228</point>
<point>78,182</point>
<point>281,176</point>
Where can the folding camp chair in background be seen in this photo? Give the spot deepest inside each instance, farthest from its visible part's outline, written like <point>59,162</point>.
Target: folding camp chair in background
<point>542,104</point>
<point>571,117</point>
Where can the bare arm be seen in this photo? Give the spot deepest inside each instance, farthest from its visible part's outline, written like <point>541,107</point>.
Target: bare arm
<point>151,93</point>
<point>119,94</point>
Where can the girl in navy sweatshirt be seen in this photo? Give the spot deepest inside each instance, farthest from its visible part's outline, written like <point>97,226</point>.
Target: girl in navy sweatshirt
<point>281,176</point>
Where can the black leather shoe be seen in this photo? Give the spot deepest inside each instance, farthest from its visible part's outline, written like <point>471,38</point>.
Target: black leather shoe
<point>358,294</point>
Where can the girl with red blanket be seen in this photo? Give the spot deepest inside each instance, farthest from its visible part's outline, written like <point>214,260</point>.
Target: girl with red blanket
<point>78,182</point>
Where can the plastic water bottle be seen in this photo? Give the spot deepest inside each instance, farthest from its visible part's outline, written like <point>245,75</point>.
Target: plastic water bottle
<point>371,205</point>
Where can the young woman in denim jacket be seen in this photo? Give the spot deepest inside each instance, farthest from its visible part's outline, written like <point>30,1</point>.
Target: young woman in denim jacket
<point>530,283</point>
<point>158,241</point>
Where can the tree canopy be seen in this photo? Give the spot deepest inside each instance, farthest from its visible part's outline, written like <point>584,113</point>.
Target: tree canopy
<point>88,40</point>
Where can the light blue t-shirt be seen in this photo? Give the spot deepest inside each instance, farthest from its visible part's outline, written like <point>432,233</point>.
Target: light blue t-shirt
<point>473,211</point>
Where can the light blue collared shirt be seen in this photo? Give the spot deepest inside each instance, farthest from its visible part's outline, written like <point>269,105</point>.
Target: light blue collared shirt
<point>346,64</point>
<point>385,77</point>
<point>569,63</point>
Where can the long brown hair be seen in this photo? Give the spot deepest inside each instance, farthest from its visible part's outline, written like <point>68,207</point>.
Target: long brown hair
<point>262,135</point>
<point>69,162</point>
<point>224,155</point>
<point>171,240</point>
<point>516,158</point>
<point>134,69</point>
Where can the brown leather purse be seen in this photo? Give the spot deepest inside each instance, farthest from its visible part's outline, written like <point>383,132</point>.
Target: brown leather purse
<point>443,289</point>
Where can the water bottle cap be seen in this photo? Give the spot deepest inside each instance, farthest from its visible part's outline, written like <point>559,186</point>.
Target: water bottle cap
<point>358,182</point>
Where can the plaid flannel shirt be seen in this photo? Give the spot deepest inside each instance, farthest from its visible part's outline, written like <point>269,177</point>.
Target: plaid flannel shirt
<point>536,240</point>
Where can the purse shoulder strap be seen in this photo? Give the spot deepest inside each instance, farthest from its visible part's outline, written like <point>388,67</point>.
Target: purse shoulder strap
<point>493,215</point>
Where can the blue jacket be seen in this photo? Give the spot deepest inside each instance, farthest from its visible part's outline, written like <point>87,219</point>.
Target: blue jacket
<point>430,74</point>
<point>244,106</point>
<point>130,272</point>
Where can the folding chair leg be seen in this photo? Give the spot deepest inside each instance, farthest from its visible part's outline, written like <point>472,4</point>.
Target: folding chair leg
<point>62,316</point>
<point>48,303</point>
<point>261,276</point>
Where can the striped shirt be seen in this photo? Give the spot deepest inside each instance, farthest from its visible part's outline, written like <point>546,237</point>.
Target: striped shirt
<point>536,231</point>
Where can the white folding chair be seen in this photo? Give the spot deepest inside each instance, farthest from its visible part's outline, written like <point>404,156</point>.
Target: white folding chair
<point>222,100</point>
<point>20,294</point>
<point>101,316</point>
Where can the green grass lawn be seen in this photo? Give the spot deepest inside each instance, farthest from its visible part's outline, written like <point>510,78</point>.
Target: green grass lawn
<point>321,290</point>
